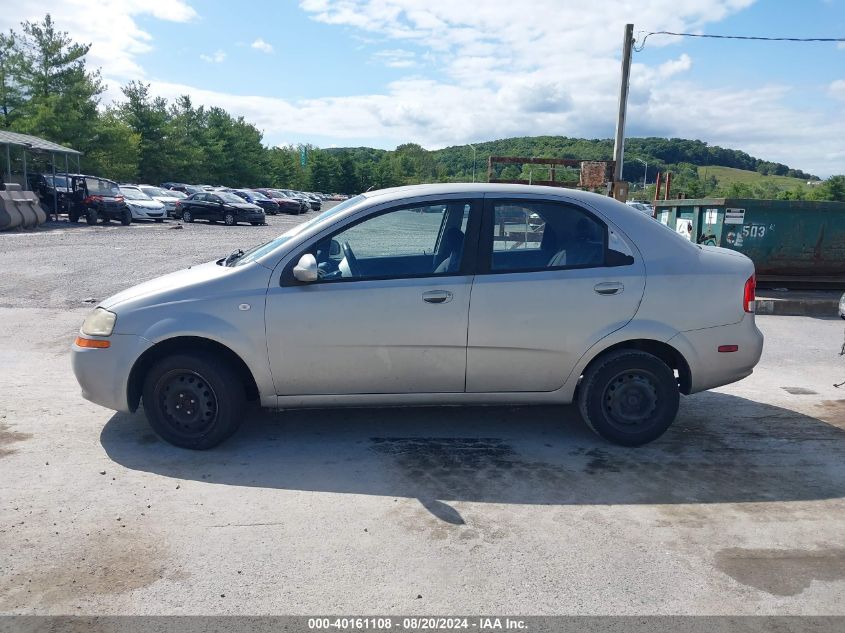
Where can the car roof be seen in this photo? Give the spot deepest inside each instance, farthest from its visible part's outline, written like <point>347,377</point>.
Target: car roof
<point>408,191</point>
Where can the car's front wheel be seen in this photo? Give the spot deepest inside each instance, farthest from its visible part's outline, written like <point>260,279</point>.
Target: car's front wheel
<point>187,217</point>
<point>193,400</point>
<point>629,397</point>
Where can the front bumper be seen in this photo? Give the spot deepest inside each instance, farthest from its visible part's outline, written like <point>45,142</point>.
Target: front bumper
<point>251,217</point>
<point>103,374</point>
<point>139,213</point>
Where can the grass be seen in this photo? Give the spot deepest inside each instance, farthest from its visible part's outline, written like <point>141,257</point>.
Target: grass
<point>728,175</point>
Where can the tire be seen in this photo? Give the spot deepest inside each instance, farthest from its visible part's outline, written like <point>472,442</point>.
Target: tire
<point>256,223</point>
<point>229,219</point>
<point>159,220</point>
<point>73,217</point>
<point>629,397</point>
<point>193,379</point>
<point>126,217</point>
<point>187,216</point>
<point>91,217</point>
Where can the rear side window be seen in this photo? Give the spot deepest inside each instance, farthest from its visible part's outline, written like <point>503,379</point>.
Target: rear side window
<point>528,235</point>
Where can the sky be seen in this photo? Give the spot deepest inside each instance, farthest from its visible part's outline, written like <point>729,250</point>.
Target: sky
<point>445,72</point>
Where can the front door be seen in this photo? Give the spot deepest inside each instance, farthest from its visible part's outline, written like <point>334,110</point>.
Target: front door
<point>388,313</point>
<point>553,279</point>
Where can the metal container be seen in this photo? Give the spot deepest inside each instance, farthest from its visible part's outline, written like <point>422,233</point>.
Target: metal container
<point>786,239</point>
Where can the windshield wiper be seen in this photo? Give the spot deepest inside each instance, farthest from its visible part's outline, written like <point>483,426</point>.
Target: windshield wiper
<point>233,257</point>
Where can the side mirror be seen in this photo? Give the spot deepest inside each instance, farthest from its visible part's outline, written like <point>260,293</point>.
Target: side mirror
<point>306,269</point>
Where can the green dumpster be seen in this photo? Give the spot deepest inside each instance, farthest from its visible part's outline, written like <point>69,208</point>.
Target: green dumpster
<point>786,239</point>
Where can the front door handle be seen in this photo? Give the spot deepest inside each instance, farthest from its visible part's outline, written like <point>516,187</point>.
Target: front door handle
<point>437,296</point>
<point>609,288</point>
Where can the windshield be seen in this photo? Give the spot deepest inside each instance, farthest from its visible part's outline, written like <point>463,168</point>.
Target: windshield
<point>155,191</point>
<point>56,181</point>
<point>259,251</point>
<point>133,194</point>
<point>227,196</point>
<point>257,195</point>
<point>99,187</point>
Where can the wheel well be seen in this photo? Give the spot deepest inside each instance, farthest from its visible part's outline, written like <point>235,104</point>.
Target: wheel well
<point>665,352</point>
<point>186,344</point>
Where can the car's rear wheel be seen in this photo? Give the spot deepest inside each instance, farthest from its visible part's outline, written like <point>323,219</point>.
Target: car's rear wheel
<point>629,397</point>
<point>229,219</point>
<point>187,217</point>
<point>126,217</point>
<point>91,217</point>
<point>193,400</point>
<point>159,220</point>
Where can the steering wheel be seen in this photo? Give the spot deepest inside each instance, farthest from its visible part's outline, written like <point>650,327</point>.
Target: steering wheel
<point>351,260</point>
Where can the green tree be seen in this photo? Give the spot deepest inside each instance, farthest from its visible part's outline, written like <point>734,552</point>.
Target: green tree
<point>148,117</point>
<point>11,91</point>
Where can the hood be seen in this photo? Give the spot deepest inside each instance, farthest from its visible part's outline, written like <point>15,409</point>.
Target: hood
<point>171,284</point>
<point>145,204</point>
<point>247,206</point>
<point>166,199</point>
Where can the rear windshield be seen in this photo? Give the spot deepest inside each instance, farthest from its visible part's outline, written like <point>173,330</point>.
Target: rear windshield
<point>100,187</point>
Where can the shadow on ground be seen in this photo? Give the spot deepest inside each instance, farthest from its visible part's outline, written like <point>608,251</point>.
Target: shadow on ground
<point>721,449</point>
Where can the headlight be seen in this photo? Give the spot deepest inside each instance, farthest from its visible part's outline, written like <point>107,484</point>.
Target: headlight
<point>99,323</point>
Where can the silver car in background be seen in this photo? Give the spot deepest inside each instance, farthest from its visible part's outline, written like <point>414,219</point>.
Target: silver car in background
<point>433,294</point>
<point>167,197</point>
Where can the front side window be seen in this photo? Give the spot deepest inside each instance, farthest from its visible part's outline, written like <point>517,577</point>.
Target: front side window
<point>410,242</point>
<point>529,235</point>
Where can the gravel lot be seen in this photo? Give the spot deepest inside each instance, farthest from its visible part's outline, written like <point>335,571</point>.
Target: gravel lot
<point>737,510</point>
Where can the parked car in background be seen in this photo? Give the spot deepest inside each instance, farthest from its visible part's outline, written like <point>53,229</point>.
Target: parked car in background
<point>219,206</point>
<point>96,199</point>
<point>397,267</point>
<point>842,306</point>
<point>269,205</point>
<point>142,206</point>
<point>51,189</point>
<point>305,202</point>
<point>167,197</point>
<point>286,203</point>
<point>314,202</point>
<point>641,206</point>
<point>186,189</point>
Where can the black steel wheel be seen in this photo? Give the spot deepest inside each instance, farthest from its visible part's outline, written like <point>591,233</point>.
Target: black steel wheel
<point>629,397</point>
<point>193,400</point>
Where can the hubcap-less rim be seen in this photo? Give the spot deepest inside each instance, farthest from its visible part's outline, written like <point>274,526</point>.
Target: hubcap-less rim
<point>229,219</point>
<point>630,398</point>
<point>187,401</point>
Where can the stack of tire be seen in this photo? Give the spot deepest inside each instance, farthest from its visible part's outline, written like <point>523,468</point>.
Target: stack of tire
<point>19,208</point>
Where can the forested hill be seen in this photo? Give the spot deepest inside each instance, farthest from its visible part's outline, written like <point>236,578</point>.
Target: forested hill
<point>661,154</point>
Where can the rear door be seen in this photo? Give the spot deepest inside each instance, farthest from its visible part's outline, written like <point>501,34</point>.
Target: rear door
<point>553,278</point>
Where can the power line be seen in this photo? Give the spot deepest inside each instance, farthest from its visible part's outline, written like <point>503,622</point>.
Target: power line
<point>739,37</point>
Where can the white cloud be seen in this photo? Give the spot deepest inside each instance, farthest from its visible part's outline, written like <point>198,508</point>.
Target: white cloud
<point>396,58</point>
<point>841,46</point>
<point>262,46</point>
<point>108,25</point>
<point>837,89</point>
<point>215,58</point>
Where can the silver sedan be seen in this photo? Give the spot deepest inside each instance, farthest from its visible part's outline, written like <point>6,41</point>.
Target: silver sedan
<point>433,294</point>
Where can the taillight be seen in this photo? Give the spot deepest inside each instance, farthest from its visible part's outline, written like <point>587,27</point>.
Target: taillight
<point>748,294</point>
<point>178,204</point>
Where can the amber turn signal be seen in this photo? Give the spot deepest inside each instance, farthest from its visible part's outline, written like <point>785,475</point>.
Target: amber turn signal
<point>92,342</point>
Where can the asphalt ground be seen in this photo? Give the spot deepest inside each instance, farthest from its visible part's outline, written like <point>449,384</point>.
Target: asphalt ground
<point>738,509</point>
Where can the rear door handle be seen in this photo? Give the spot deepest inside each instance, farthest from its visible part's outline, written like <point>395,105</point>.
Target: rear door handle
<point>437,296</point>
<point>609,288</point>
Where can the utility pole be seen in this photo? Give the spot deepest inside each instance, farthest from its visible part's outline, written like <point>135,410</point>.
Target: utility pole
<point>619,143</point>
<point>473,160</point>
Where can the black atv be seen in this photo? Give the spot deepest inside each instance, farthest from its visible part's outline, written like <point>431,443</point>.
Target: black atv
<point>95,199</point>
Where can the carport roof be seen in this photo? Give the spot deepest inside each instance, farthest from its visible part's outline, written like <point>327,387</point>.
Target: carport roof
<point>33,142</point>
